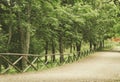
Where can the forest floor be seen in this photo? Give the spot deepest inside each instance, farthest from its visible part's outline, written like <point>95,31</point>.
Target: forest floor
<point>99,67</point>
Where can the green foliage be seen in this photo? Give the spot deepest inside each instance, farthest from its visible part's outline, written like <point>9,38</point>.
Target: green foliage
<point>3,41</point>
<point>73,20</point>
<point>56,26</point>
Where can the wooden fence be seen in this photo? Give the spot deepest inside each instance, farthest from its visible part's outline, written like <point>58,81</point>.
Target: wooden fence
<point>13,62</point>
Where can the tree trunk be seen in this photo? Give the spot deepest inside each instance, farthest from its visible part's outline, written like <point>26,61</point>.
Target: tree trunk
<point>10,35</point>
<point>61,49</point>
<point>100,44</point>
<point>95,46</point>
<point>46,51</point>
<point>25,35</point>
<point>103,42</point>
<point>18,15</point>
<point>53,51</point>
<point>10,29</point>
<point>71,47</point>
<point>78,47</point>
<point>74,47</point>
<point>25,41</point>
<point>0,65</point>
<point>90,45</point>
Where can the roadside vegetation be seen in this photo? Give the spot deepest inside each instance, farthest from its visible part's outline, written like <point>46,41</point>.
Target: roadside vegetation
<point>56,26</point>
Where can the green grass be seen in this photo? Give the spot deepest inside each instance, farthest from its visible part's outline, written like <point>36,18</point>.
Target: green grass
<point>41,66</point>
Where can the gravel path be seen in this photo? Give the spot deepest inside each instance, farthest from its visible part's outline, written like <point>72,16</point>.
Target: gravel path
<point>99,67</point>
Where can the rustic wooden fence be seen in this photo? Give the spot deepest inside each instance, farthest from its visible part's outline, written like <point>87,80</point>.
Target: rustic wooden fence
<point>12,62</point>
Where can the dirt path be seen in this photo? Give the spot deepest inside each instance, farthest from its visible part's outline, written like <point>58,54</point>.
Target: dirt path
<point>99,67</point>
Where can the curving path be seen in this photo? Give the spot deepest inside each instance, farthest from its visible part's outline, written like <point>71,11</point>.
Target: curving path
<point>98,67</point>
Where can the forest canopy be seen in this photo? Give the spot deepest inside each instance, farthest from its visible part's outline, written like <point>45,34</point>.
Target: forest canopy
<point>34,26</point>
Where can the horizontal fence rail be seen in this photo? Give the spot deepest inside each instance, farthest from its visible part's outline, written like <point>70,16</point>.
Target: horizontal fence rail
<point>15,62</point>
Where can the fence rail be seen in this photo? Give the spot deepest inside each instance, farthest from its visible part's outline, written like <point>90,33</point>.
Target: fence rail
<point>10,62</point>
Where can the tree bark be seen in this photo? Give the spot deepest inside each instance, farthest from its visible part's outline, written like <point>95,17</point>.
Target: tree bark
<point>46,51</point>
<point>94,46</point>
<point>61,49</point>
<point>25,35</point>
<point>90,45</point>
<point>25,41</point>
<point>71,47</point>
<point>78,47</point>
<point>0,65</point>
<point>10,28</point>
<point>100,45</point>
<point>53,51</point>
<point>103,42</point>
<point>74,47</point>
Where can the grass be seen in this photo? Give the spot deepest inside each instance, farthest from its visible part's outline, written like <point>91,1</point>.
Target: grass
<point>50,64</point>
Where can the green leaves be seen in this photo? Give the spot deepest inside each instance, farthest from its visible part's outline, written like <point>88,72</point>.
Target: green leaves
<point>75,20</point>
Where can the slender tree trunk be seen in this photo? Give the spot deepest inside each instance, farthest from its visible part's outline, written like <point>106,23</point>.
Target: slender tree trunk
<point>53,51</point>
<point>100,44</point>
<point>71,47</point>
<point>10,35</point>
<point>95,46</point>
<point>21,63</point>
<point>90,45</point>
<point>61,49</point>
<point>27,40</point>
<point>46,51</point>
<point>0,68</point>
<point>10,29</point>
<point>18,19</point>
<point>103,42</point>
<point>74,47</point>
<point>78,47</point>
<point>0,64</point>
